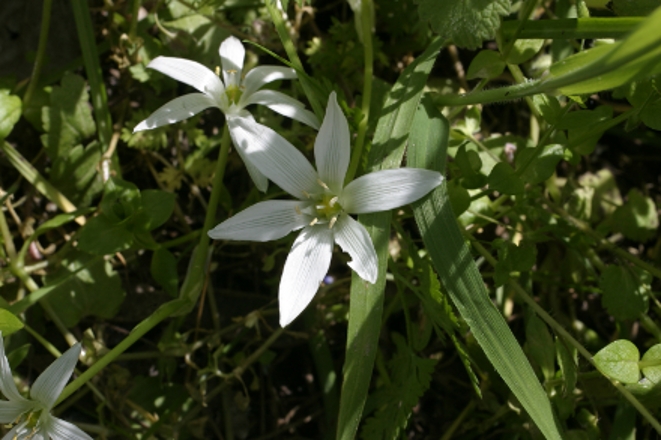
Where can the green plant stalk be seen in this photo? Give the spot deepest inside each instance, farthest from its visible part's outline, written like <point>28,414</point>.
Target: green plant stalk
<point>42,185</point>
<point>558,329</point>
<point>368,49</point>
<point>290,48</point>
<point>524,14</point>
<point>570,28</point>
<point>81,14</point>
<point>41,52</point>
<point>7,239</point>
<point>621,253</point>
<point>190,290</point>
<point>135,10</point>
<point>194,281</point>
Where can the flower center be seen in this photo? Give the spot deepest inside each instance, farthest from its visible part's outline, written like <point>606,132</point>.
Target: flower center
<point>326,209</point>
<point>233,94</point>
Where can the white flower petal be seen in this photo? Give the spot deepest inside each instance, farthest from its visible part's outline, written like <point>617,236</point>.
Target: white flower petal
<point>19,431</point>
<point>332,151</point>
<point>259,179</point>
<point>11,410</point>
<point>388,189</point>
<point>192,73</point>
<point>232,54</point>
<point>7,385</point>
<point>305,268</point>
<point>276,158</point>
<point>177,110</point>
<point>263,221</point>
<point>283,104</point>
<point>48,386</point>
<point>354,240</point>
<point>58,429</point>
<point>261,75</point>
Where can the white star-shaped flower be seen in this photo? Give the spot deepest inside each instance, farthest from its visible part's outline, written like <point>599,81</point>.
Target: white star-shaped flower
<point>231,97</point>
<point>35,421</point>
<point>323,206</point>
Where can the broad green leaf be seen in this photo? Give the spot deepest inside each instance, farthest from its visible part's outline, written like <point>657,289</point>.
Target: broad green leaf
<point>513,258</point>
<point>486,64</point>
<point>121,200</point>
<point>156,208</point>
<point>9,323</point>
<point>164,271</point>
<point>18,355</point>
<point>77,174</point>
<point>95,290</point>
<point>102,235</point>
<point>503,179</point>
<point>567,360</point>
<point>651,364</point>
<point>624,293</point>
<point>366,309</point>
<point>637,219</point>
<point>538,343</point>
<point>549,107</point>
<point>460,199</point>
<point>10,112</point>
<point>543,166</point>
<point>585,127</point>
<point>523,50</point>
<point>461,279</point>
<point>410,378</point>
<point>619,360</point>
<point>466,23</point>
<point>624,422</point>
<point>68,120</point>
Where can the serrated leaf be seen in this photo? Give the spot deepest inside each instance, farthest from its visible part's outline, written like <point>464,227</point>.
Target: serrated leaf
<point>94,290</point>
<point>164,271</point>
<point>503,179</point>
<point>9,323</point>
<point>619,360</point>
<point>10,112</point>
<point>637,219</point>
<point>410,378</point>
<point>486,64</point>
<point>466,23</point>
<point>623,293</point>
<point>68,120</point>
<point>651,364</point>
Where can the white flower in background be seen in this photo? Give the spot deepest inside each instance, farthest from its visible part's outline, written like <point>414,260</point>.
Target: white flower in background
<point>323,204</point>
<point>231,97</point>
<point>33,417</point>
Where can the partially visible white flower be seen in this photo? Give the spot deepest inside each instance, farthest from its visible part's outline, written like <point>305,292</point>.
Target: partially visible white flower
<point>231,97</point>
<point>33,417</point>
<point>323,204</point>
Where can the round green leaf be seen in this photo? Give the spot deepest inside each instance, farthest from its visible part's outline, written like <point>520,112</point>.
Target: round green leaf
<point>486,64</point>
<point>619,360</point>
<point>503,179</point>
<point>523,50</point>
<point>652,356</point>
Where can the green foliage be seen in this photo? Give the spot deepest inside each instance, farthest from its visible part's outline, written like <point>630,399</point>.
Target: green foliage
<point>10,112</point>
<point>486,64</point>
<point>9,323</point>
<point>164,270</point>
<point>637,219</point>
<point>513,258</point>
<point>624,291</point>
<point>619,361</point>
<point>503,179</point>
<point>410,376</point>
<point>467,24</point>
<point>93,290</point>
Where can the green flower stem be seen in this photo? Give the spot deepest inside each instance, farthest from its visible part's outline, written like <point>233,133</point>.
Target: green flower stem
<point>621,253</point>
<point>290,48</point>
<point>41,52</point>
<point>7,239</point>
<point>138,331</point>
<point>42,185</point>
<point>564,334</point>
<point>570,28</point>
<point>368,49</point>
<point>194,282</point>
<point>190,290</point>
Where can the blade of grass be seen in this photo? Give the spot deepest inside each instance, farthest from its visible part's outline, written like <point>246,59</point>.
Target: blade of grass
<point>366,307</point>
<point>461,278</point>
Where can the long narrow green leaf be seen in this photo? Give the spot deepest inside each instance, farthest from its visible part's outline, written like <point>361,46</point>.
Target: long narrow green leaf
<point>81,12</point>
<point>572,28</point>
<point>366,306</point>
<point>461,278</point>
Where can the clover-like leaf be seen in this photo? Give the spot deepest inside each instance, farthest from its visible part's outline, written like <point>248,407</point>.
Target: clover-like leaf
<point>619,360</point>
<point>651,364</point>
